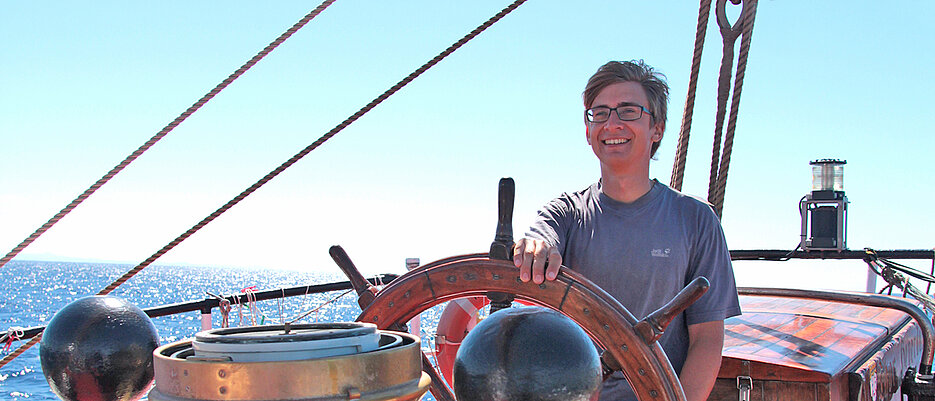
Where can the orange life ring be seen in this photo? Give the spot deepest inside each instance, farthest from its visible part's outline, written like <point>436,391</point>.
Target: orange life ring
<point>456,320</point>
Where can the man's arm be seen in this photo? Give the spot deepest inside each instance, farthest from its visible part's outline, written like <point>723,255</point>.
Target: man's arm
<point>705,341</point>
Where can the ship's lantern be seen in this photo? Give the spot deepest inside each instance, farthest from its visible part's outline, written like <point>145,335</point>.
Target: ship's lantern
<point>824,210</point>
<point>828,175</point>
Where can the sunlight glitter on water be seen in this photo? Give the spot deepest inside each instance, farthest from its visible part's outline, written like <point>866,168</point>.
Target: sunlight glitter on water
<point>35,290</point>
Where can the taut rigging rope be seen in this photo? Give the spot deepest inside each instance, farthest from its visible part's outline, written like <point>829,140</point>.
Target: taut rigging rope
<point>373,103</point>
<point>298,156</point>
<point>165,131</point>
<point>717,182</point>
<point>681,152</point>
<point>895,275</point>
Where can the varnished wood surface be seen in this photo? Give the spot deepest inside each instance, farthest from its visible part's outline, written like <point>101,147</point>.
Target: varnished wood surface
<point>771,390</point>
<point>880,376</point>
<point>802,340</point>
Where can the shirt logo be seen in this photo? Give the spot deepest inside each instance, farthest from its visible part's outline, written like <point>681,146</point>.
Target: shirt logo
<point>661,253</point>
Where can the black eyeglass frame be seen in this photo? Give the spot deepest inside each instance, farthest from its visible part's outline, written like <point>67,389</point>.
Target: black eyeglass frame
<point>589,118</point>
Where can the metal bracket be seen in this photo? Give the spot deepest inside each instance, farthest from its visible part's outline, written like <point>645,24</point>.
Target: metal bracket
<point>744,386</point>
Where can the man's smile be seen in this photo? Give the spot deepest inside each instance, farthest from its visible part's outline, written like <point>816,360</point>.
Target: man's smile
<point>616,141</point>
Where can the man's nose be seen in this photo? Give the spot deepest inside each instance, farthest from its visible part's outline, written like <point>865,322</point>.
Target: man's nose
<point>614,120</point>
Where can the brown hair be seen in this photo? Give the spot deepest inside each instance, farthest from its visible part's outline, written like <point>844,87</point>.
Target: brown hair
<point>652,81</point>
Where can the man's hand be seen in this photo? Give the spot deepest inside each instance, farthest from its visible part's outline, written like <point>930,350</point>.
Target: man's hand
<point>536,259</point>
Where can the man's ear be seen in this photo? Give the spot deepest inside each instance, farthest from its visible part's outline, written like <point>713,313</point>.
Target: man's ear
<point>658,131</point>
<point>587,133</point>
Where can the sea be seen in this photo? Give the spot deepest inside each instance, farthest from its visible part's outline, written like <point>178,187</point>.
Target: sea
<point>34,290</point>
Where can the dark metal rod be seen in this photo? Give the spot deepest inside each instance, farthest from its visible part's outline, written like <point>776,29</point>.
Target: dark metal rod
<point>778,254</point>
<point>210,303</point>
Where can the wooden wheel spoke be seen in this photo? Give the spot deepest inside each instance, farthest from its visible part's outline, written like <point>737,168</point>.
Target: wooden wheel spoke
<point>643,364</point>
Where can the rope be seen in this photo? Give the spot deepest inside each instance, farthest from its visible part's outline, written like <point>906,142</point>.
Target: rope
<point>225,307</point>
<point>152,141</point>
<point>165,131</point>
<point>735,105</point>
<point>354,117</point>
<point>288,163</point>
<point>681,152</point>
<point>19,351</point>
<point>251,305</point>
<point>897,275</point>
<point>239,311</point>
<point>896,279</point>
<point>729,36</point>
<point>12,334</point>
<point>717,182</point>
<point>316,309</point>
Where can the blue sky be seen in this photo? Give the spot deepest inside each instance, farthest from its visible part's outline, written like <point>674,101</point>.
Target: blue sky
<point>83,87</point>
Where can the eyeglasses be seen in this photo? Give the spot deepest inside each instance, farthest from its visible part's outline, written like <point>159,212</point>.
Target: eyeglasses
<point>601,114</point>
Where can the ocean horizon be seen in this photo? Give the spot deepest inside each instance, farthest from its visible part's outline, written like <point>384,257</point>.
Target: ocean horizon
<point>35,290</point>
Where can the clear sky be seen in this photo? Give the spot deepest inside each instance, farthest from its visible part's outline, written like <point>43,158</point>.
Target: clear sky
<point>81,87</point>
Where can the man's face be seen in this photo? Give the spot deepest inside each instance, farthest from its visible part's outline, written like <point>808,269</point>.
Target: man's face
<point>623,145</point>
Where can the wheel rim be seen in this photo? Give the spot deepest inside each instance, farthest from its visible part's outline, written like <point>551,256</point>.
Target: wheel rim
<point>610,324</point>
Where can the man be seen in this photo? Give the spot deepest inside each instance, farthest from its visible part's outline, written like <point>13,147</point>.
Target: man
<point>636,238</point>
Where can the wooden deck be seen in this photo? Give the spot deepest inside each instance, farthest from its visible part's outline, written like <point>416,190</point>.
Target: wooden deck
<point>808,349</point>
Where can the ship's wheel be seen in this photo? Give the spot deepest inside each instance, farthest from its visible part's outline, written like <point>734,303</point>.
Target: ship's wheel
<point>629,345</point>
<point>607,322</point>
